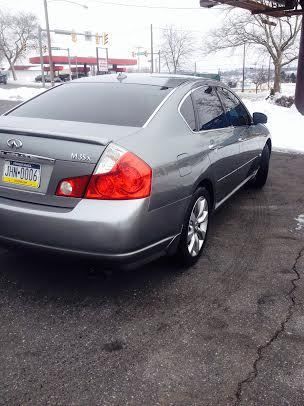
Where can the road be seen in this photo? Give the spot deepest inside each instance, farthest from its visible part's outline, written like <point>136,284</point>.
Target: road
<point>229,331</point>
<point>5,105</point>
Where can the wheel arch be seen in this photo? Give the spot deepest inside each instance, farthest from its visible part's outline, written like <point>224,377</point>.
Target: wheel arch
<point>269,143</point>
<point>208,184</point>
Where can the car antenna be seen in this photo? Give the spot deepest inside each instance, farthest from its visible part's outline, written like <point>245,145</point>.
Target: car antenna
<point>121,76</point>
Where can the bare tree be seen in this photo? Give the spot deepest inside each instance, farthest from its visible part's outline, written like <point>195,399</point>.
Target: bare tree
<point>177,47</point>
<point>18,34</point>
<point>278,39</point>
<point>259,78</point>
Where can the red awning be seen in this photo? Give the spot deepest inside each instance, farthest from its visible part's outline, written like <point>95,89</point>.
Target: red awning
<point>81,60</point>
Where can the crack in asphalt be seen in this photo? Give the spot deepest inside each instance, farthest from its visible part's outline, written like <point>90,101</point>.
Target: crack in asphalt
<point>291,294</point>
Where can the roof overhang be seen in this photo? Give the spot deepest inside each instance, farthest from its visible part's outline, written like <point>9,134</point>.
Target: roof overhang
<point>274,8</point>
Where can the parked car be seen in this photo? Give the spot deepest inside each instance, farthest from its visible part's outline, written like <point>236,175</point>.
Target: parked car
<point>126,168</point>
<point>47,79</point>
<point>3,77</point>
<point>80,75</point>
<point>64,77</point>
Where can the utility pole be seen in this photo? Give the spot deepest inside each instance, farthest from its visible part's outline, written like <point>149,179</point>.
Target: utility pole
<point>159,61</point>
<point>76,67</point>
<point>41,56</point>
<point>49,41</point>
<point>269,73</point>
<point>138,59</point>
<point>152,60</point>
<point>244,59</point>
<point>97,60</point>
<point>69,60</point>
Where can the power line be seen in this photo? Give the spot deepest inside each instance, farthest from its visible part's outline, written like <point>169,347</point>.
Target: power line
<point>179,29</point>
<point>145,6</point>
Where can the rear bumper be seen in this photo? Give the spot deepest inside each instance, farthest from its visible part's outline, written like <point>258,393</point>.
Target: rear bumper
<point>116,232</point>
<point>120,261</point>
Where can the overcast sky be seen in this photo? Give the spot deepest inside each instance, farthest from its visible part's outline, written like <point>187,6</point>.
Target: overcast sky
<point>129,26</point>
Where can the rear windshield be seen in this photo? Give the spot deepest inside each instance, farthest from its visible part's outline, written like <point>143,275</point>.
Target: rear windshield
<point>103,103</point>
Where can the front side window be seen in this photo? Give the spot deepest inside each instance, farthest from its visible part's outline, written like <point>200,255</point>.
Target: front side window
<point>209,109</point>
<point>236,113</point>
<point>102,103</point>
<point>187,112</point>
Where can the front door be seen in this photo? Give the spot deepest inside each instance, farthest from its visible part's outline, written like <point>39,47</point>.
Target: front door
<point>244,132</point>
<point>214,129</point>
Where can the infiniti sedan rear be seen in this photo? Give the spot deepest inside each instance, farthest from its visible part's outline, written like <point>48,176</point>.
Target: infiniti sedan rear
<point>126,168</point>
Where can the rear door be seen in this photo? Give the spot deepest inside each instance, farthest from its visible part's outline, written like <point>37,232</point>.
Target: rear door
<point>214,128</point>
<point>244,132</point>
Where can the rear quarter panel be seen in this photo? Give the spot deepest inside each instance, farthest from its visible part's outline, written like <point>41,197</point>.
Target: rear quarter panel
<point>179,160</point>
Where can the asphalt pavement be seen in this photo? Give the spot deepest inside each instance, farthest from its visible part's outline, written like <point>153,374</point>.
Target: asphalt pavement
<point>229,331</point>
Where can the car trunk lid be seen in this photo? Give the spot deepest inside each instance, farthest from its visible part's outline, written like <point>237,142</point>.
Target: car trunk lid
<point>49,151</point>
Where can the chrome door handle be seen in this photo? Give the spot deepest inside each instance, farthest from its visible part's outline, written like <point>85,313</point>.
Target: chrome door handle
<point>214,146</point>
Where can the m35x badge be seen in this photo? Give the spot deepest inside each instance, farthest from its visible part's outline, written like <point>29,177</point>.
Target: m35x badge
<point>80,157</point>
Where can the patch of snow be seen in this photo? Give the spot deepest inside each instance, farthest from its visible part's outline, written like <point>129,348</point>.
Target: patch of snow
<point>19,93</point>
<point>285,124</point>
<point>28,83</point>
<point>300,222</point>
<point>288,89</point>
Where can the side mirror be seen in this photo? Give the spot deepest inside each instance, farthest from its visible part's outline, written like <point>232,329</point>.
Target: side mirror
<point>259,118</point>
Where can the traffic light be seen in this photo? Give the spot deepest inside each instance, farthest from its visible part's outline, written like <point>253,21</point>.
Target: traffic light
<point>24,46</point>
<point>74,36</point>
<point>105,39</point>
<point>97,38</point>
<point>87,35</point>
<point>44,48</point>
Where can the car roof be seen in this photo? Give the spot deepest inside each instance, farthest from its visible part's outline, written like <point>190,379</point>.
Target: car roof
<point>164,80</point>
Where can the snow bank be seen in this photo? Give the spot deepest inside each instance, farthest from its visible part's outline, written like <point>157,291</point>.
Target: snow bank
<point>28,83</point>
<point>19,93</point>
<point>285,124</point>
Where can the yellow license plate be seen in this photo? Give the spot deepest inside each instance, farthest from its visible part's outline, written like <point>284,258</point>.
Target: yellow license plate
<point>22,174</point>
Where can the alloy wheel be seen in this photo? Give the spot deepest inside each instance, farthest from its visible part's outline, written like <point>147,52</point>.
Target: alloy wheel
<point>197,227</point>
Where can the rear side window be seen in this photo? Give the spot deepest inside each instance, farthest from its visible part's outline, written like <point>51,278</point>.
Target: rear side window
<point>103,103</point>
<point>209,109</point>
<point>236,113</point>
<point>187,112</point>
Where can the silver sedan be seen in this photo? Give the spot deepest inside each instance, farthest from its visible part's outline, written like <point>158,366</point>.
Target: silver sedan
<point>126,168</point>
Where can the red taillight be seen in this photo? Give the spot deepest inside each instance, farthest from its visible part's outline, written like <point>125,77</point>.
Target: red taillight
<point>73,187</point>
<point>130,178</point>
<point>120,175</point>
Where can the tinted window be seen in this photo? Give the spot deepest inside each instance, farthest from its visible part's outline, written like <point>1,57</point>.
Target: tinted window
<point>105,103</point>
<point>188,113</point>
<point>209,109</point>
<point>236,112</point>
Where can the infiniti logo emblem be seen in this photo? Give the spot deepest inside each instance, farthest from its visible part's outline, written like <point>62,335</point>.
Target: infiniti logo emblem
<point>14,143</point>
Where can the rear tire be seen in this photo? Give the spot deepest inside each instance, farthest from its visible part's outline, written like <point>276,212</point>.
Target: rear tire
<point>261,177</point>
<point>195,228</point>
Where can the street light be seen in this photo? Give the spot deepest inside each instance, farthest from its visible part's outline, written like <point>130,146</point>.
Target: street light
<point>49,34</point>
